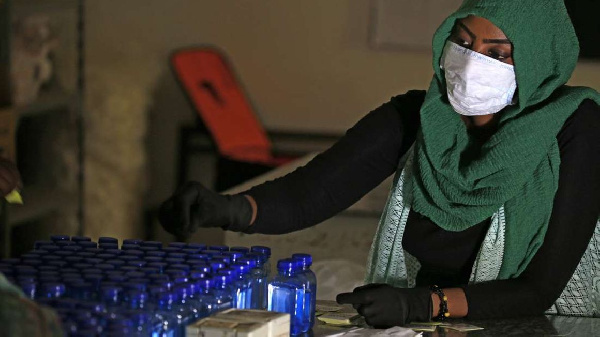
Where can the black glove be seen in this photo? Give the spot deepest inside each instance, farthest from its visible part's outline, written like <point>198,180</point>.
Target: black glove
<point>384,306</point>
<point>193,206</point>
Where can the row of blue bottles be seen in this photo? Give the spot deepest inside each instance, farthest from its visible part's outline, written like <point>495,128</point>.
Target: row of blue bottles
<point>293,290</point>
<point>140,288</point>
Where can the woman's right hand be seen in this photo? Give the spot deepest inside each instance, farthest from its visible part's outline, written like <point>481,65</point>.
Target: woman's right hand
<point>193,206</point>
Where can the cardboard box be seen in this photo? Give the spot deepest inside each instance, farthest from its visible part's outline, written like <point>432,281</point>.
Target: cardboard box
<point>278,323</point>
<point>223,327</point>
<point>242,323</point>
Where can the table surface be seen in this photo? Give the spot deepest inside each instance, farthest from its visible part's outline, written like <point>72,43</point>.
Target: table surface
<point>526,326</point>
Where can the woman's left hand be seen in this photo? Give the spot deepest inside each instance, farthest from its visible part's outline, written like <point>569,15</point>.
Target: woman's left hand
<point>384,306</point>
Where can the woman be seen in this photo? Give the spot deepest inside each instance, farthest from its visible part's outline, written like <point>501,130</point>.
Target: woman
<point>498,200</point>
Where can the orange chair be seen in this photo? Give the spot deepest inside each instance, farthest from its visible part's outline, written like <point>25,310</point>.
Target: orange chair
<point>225,114</point>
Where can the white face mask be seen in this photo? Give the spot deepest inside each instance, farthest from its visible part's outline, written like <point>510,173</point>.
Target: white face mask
<point>476,84</point>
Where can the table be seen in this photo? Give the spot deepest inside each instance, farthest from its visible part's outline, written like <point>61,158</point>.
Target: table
<point>528,326</point>
<point>548,325</point>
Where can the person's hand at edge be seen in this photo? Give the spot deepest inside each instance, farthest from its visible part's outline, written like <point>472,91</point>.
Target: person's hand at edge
<point>194,206</point>
<point>384,306</point>
<point>10,178</point>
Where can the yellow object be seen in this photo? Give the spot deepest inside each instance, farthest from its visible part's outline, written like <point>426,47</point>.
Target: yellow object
<point>434,323</point>
<point>14,197</point>
<point>421,327</point>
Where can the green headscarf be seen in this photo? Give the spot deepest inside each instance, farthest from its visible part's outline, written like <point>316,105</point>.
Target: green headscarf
<point>458,184</point>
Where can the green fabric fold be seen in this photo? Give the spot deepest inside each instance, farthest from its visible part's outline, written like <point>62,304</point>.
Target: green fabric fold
<point>458,183</point>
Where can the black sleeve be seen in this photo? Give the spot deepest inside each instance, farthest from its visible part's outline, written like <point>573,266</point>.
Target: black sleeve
<point>572,223</point>
<point>368,153</point>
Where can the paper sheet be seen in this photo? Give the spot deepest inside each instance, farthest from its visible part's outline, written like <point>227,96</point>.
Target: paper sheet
<point>362,332</point>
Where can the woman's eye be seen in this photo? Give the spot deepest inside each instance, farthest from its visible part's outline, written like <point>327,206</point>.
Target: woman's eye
<point>464,43</point>
<point>461,42</point>
<point>497,55</point>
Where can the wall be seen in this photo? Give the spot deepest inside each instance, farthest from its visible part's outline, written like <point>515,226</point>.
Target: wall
<point>306,65</point>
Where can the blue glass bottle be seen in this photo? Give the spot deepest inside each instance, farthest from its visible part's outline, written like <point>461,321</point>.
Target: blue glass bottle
<point>178,255</point>
<point>182,314</point>
<point>111,297</point>
<point>234,256</point>
<point>118,325</point>
<point>200,271</point>
<point>63,244</point>
<point>219,248</point>
<point>286,294</point>
<point>137,299</point>
<point>205,298</point>
<point>53,290</point>
<point>233,286</point>
<point>210,252</point>
<point>188,251</point>
<point>56,238</point>
<point>259,282</point>
<point>159,324</point>
<point>87,322</point>
<point>182,266</point>
<point>83,244</point>
<point>305,261</point>
<point>107,239</point>
<point>251,263</point>
<point>82,290</point>
<point>141,323</point>
<point>29,288</point>
<point>198,257</point>
<point>223,258</point>
<point>41,243</point>
<point>266,251</point>
<point>155,244</point>
<point>133,241</point>
<point>178,245</point>
<point>185,306</point>
<point>215,266</point>
<point>241,284</point>
<point>222,291</point>
<point>107,245</point>
<point>167,324</point>
<point>199,246</point>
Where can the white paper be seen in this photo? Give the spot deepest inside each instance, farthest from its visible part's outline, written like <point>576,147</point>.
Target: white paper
<point>361,332</point>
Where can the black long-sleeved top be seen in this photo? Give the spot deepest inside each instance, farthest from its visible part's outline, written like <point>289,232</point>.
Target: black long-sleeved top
<point>370,151</point>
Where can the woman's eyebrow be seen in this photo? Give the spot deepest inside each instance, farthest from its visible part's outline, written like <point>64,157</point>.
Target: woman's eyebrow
<point>466,29</point>
<point>504,41</point>
<point>474,37</point>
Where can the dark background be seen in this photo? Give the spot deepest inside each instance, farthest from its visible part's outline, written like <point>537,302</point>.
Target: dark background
<point>585,15</point>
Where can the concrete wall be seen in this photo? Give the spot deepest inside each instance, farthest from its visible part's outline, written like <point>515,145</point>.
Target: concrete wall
<point>306,64</point>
